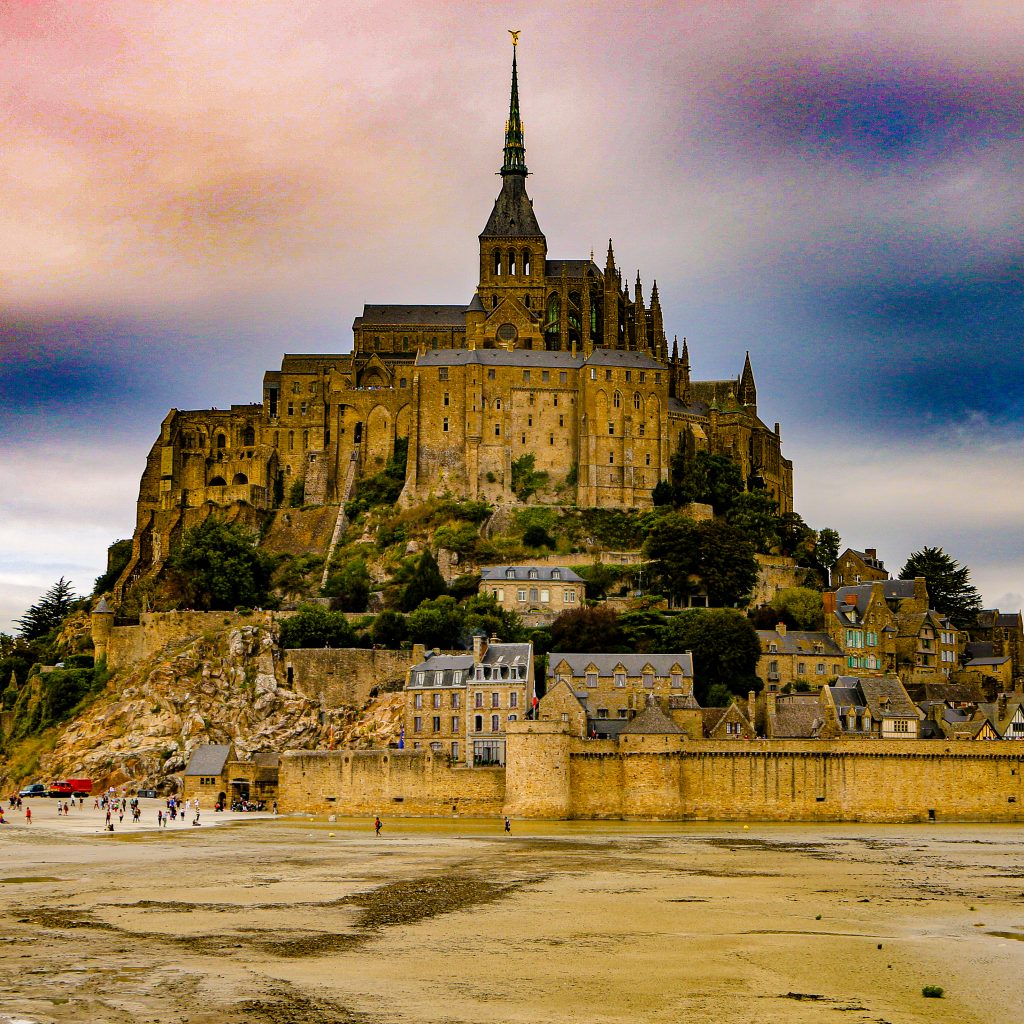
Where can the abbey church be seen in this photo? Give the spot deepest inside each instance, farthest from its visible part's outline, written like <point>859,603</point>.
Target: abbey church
<point>551,358</point>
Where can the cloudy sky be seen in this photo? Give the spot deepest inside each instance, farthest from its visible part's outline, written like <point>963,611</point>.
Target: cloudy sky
<point>190,189</point>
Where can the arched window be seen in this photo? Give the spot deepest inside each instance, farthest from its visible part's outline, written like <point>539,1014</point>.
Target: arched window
<point>248,436</point>
<point>222,441</point>
<point>511,263</point>
<point>636,400</point>
<point>239,478</point>
<point>217,481</point>
<point>526,263</point>
<point>554,310</point>
<point>617,400</point>
<point>497,263</point>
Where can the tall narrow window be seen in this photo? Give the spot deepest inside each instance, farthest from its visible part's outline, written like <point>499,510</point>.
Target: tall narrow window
<point>497,263</point>
<point>526,264</point>
<point>511,263</point>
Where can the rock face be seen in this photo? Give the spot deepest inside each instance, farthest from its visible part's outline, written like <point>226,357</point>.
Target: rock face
<point>228,688</point>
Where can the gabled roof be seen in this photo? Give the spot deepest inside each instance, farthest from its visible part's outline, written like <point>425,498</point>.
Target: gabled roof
<point>389,315</point>
<point>632,663</point>
<point>796,719</point>
<point>886,697</point>
<point>507,654</point>
<point>209,759</point>
<point>986,662</point>
<point>799,642</point>
<point>651,721</point>
<point>496,573</point>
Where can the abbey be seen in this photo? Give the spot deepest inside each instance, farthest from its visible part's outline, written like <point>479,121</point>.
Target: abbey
<point>553,359</point>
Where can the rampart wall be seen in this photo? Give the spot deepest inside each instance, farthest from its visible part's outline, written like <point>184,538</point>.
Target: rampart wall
<point>551,774</point>
<point>387,782</point>
<point>345,677</point>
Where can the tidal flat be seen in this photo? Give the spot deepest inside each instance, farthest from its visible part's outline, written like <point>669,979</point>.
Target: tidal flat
<point>292,920</point>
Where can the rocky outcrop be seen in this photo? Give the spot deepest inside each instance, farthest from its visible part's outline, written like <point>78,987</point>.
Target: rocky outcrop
<point>228,688</point>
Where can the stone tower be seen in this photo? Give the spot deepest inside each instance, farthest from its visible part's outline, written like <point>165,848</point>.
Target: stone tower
<point>102,622</point>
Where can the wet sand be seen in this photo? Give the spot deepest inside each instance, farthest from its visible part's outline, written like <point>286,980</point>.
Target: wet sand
<point>293,920</point>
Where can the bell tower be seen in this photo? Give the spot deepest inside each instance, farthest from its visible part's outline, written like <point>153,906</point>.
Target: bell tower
<point>513,250</point>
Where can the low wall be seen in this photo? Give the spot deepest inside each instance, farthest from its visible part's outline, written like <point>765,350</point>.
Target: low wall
<point>387,782</point>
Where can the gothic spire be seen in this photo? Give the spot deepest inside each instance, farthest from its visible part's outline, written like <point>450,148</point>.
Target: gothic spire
<point>515,147</point>
<point>747,388</point>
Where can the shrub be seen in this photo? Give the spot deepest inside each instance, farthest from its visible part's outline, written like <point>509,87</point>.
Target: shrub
<point>526,478</point>
<point>538,537</point>
<point>315,626</point>
<point>933,991</point>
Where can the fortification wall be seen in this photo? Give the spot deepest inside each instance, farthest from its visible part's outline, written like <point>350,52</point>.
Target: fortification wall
<point>775,573</point>
<point>387,782</point>
<point>130,644</point>
<point>345,677</point>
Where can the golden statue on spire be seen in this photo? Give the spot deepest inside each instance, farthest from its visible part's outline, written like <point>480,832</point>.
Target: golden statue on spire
<point>514,33</point>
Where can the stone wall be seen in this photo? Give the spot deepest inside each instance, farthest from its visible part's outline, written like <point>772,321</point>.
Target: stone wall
<point>387,782</point>
<point>343,677</point>
<point>775,573</point>
<point>156,630</point>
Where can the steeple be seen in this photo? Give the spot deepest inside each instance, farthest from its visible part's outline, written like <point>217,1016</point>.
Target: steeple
<point>747,388</point>
<point>515,147</point>
<point>513,216</point>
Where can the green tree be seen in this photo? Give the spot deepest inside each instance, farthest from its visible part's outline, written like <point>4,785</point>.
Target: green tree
<point>426,583</point>
<point>713,480</point>
<point>673,548</point>
<point>316,626</point>
<point>437,623</point>
<point>799,608</point>
<point>537,537</point>
<point>725,648</point>
<point>587,630</point>
<point>950,590</point>
<point>526,478</point>
<point>663,494</point>
<point>727,563</point>
<point>482,612</point>
<point>48,612</point>
<point>218,566</point>
<point>756,514</point>
<point>348,586</point>
<point>827,549</point>
<point>118,556</point>
<point>389,629</point>
<point>642,630</point>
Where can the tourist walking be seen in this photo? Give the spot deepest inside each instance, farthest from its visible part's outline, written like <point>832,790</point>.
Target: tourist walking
<point>508,826</point>
<point>377,826</point>
<point>28,815</point>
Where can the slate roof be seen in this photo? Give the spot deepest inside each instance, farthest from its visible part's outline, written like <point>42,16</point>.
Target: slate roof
<point>617,357</point>
<point>799,642</point>
<point>1011,620</point>
<point>266,759</point>
<point>652,721</point>
<point>209,759</point>
<point>512,215</point>
<point>982,662</point>
<point>981,649</point>
<point>524,357</point>
<point>680,702</point>
<point>632,663</point>
<point>884,696</point>
<point>389,315</point>
<point>796,718</point>
<point>955,693</point>
<point>448,664</point>
<point>507,654</point>
<point>573,268</point>
<point>498,573</point>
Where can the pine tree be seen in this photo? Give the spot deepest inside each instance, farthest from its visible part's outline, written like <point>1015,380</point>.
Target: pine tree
<point>950,590</point>
<point>49,612</point>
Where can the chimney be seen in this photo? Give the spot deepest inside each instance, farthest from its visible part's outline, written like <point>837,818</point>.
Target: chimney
<point>752,708</point>
<point>1003,702</point>
<point>479,647</point>
<point>828,602</point>
<point>921,591</point>
<point>871,552</point>
<point>780,628</point>
<point>419,654</point>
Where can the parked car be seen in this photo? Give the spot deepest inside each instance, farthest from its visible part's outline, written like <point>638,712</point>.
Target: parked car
<point>149,794</point>
<point>36,789</point>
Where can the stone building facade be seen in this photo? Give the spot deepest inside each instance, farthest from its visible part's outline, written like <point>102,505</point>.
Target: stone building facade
<point>853,567</point>
<point>554,360</point>
<point>537,593</point>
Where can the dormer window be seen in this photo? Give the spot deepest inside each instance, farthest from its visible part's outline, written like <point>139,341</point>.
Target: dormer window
<point>533,574</point>
<point>510,574</point>
<point>773,648</point>
<point>556,574</point>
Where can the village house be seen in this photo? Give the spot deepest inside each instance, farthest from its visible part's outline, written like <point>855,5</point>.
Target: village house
<point>793,716</point>
<point>731,723</point>
<point>216,774</point>
<point>612,688</point>
<point>853,567</point>
<point>537,593</point>
<point>870,707</point>
<point>459,704</point>
<point>796,658</point>
<point>1004,631</point>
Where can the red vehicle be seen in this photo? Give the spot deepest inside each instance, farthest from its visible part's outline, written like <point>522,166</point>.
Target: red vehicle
<point>70,787</point>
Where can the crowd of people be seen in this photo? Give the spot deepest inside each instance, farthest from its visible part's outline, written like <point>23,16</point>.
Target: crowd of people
<point>115,805</point>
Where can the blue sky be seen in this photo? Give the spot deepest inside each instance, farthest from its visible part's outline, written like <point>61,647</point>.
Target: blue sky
<point>192,190</point>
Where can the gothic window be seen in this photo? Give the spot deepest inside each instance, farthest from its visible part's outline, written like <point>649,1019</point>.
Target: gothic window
<point>636,400</point>
<point>617,400</point>
<point>497,263</point>
<point>526,265</point>
<point>554,311</point>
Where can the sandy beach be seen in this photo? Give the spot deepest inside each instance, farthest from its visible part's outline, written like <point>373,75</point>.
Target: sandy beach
<point>299,920</point>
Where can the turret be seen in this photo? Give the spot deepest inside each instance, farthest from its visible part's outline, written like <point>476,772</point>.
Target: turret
<point>747,390</point>
<point>660,342</point>
<point>102,623</point>
<point>611,301</point>
<point>640,318</point>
